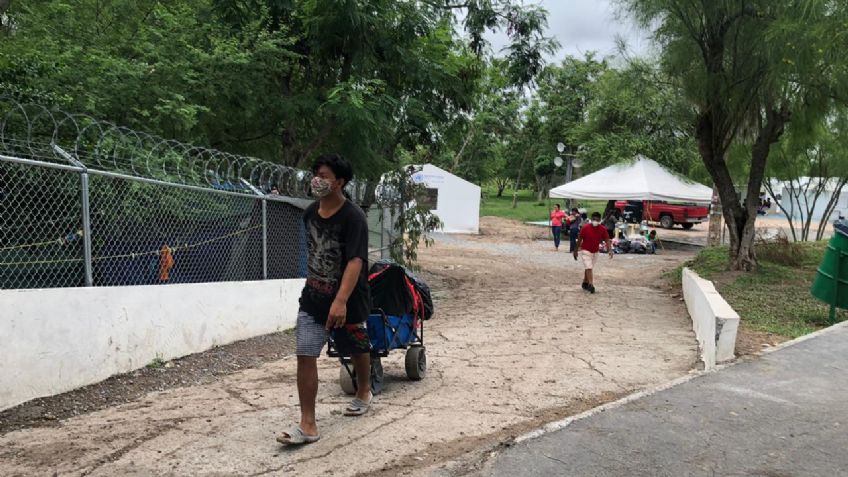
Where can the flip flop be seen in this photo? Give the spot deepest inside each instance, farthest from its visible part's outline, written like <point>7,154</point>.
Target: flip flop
<point>358,407</point>
<point>296,436</point>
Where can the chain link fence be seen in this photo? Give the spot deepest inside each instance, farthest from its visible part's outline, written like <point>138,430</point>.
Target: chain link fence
<point>88,203</point>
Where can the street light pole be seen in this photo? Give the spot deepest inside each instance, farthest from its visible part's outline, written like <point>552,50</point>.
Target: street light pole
<point>568,169</point>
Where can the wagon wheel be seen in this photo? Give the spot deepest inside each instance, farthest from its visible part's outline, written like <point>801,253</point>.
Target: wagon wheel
<point>346,380</point>
<point>416,363</point>
<point>376,375</point>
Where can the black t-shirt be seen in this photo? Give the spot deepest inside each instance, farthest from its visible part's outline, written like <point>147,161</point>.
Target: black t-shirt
<point>332,243</point>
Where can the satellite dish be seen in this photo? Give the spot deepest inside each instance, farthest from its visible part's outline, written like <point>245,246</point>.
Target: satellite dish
<point>558,161</point>
<point>560,147</point>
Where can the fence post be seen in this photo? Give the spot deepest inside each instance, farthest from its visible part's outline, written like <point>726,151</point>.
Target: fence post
<point>86,212</point>
<point>264,239</point>
<point>86,230</point>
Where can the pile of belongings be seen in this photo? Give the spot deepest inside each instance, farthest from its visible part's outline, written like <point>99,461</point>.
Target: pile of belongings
<point>397,291</point>
<point>638,245</point>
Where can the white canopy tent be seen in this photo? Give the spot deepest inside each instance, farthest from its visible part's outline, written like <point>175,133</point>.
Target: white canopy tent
<point>642,179</point>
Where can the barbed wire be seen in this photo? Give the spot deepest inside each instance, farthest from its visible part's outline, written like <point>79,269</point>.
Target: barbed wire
<point>37,132</point>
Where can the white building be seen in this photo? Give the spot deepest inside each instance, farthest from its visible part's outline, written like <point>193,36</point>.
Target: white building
<point>453,199</point>
<point>797,203</point>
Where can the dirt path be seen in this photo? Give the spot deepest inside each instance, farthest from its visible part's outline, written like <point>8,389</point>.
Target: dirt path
<point>515,343</point>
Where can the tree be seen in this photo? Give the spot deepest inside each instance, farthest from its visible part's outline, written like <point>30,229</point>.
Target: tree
<point>810,164</point>
<point>527,145</point>
<point>278,79</point>
<point>637,110</point>
<point>478,145</point>
<point>565,91</point>
<point>748,68</point>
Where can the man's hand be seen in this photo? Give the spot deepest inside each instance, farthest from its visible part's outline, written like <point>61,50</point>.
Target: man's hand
<point>338,314</point>
<point>575,255</point>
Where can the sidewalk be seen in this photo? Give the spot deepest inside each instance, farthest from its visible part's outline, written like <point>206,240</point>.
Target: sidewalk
<point>783,414</point>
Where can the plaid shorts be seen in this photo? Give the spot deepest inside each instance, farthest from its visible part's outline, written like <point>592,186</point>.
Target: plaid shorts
<point>311,337</point>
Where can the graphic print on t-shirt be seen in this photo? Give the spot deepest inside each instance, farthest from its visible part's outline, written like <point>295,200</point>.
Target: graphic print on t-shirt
<point>325,257</point>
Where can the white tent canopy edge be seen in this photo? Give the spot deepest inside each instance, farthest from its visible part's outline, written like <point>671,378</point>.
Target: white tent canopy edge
<point>641,179</point>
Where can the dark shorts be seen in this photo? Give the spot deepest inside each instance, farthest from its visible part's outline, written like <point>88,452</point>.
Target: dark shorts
<point>311,337</point>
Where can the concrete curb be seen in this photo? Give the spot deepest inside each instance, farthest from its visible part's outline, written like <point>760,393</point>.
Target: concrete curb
<point>562,424</point>
<point>713,319</point>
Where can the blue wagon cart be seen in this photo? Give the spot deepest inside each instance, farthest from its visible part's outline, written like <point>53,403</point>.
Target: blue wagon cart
<point>401,305</point>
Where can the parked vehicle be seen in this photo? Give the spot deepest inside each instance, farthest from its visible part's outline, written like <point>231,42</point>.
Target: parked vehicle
<point>666,214</point>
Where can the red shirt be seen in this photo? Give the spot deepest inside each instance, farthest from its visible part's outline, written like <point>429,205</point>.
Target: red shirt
<point>592,237</point>
<point>556,218</point>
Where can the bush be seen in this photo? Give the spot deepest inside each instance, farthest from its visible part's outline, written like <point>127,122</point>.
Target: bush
<point>781,251</point>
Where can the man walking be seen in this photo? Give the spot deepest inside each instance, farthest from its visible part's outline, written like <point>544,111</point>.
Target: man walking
<point>588,245</point>
<point>336,297</point>
<point>575,221</point>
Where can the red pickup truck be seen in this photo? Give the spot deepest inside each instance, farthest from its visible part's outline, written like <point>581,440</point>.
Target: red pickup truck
<point>666,214</point>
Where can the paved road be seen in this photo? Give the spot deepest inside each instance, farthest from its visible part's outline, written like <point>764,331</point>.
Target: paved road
<point>784,414</point>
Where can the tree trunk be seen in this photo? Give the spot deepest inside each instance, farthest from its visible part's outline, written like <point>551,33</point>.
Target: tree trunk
<point>518,181</point>
<point>543,185</point>
<point>739,217</point>
<point>462,149</point>
<point>501,185</point>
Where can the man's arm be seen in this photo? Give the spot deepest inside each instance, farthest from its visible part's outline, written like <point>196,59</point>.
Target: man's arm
<point>338,310</point>
<point>577,247</point>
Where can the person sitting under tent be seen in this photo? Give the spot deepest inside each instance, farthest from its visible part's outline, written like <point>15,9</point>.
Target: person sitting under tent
<point>652,240</point>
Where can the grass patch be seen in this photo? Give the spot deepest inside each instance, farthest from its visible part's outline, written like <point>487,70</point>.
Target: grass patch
<point>157,363</point>
<point>776,298</point>
<point>528,208</point>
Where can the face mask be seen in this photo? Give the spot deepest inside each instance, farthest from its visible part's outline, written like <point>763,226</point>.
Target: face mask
<point>321,187</point>
<point>596,223</point>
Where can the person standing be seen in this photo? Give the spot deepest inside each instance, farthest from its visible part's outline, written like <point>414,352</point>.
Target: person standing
<point>609,222</point>
<point>588,245</point>
<point>574,223</point>
<point>557,216</point>
<point>336,297</point>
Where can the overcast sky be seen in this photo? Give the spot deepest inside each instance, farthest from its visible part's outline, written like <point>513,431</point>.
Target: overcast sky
<point>586,25</point>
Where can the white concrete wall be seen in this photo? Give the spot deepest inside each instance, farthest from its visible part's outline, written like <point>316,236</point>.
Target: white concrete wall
<point>459,200</point>
<point>55,340</point>
<point>789,203</point>
<point>714,321</point>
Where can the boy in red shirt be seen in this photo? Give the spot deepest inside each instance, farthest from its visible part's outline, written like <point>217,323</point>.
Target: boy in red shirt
<point>588,244</point>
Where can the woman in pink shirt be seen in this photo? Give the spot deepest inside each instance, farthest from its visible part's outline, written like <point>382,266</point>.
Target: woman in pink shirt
<point>557,216</point>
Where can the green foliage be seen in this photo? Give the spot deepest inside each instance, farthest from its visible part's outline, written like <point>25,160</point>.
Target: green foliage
<point>413,223</point>
<point>776,297</point>
<point>156,363</point>
<point>748,69</point>
<point>282,80</point>
<point>637,110</point>
<point>565,92</point>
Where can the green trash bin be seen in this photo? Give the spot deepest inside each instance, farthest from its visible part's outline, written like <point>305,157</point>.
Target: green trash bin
<point>831,284</point>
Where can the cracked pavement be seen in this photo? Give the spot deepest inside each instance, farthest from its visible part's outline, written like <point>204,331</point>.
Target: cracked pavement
<point>514,344</point>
